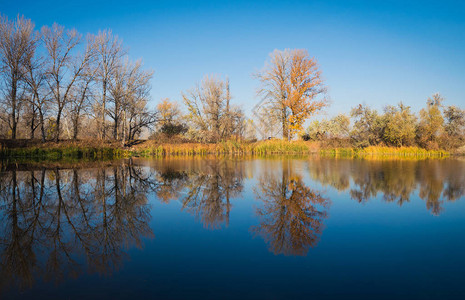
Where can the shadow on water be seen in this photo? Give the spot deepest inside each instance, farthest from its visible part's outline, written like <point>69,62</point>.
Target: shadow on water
<point>59,222</point>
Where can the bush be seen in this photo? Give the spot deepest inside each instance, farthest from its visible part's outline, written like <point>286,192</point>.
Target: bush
<point>171,129</point>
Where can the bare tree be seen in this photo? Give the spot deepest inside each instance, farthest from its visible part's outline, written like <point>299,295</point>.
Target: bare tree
<point>210,112</point>
<point>64,68</point>
<point>109,53</point>
<point>35,77</point>
<point>118,89</point>
<point>82,98</point>
<point>17,42</point>
<point>130,98</point>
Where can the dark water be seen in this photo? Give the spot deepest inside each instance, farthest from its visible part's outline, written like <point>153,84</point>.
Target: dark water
<point>282,228</point>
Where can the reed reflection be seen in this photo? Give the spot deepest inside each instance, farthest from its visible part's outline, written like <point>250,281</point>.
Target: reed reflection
<point>291,215</point>
<point>396,181</point>
<point>58,223</point>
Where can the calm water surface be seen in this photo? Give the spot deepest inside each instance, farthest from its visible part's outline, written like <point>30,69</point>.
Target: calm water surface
<point>200,228</point>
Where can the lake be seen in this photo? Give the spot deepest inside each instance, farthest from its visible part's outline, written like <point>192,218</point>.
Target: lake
<point>229,228</point>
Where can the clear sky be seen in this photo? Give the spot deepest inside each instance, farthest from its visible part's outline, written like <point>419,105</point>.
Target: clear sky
<point>374,52</point>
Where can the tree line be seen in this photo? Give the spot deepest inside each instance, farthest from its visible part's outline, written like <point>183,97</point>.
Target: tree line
<point>436,126</point>
<point>57,82</point>
<point>54,83</point>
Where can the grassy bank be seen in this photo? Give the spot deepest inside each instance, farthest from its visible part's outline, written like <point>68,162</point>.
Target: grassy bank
<point>151,148</point>
<point>64,150</point>
<point>384,151</point>
<point>94,150</point>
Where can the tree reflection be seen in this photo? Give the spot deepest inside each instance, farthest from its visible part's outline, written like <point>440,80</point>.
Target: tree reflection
<point>395,180</point>
<point>57,223</point>
<point>210,189</point>
<point>171,184</point>
<point>291,214</point>
<point>18,261</point>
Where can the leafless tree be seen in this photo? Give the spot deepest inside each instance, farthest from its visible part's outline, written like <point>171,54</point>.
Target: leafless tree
<point>35,77</point>
<point>130,96</point>
<point>17,42</point>
<point>64,67</point>
<point>109,54</point>
<point>83,96</point>
<point>210,112</point>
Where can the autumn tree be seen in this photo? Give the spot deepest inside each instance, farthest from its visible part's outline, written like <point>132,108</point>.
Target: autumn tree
<point>454,126</point>
<point>368,126</point>
<point>400,125</point>
<point>17,45</point>
<point>292,89</point>
<point>170,115</point>
<point>169,111</point>
<point>431,125</point>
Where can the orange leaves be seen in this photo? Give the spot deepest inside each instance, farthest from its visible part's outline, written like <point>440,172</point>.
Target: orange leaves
<point>292,84</point>
<point>305,84</point>
<point>168,110</point>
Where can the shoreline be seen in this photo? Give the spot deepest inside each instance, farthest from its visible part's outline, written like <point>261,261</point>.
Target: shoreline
<point>92,150</point>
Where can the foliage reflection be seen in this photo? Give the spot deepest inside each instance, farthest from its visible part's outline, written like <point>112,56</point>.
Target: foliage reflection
<point>435,181</point>
<point>291,215</point>
<point>57,223</point>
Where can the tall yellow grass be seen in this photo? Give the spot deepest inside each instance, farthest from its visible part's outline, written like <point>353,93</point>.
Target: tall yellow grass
<point>152,148</point>
<point>227,147</point>
<point>385,151</point>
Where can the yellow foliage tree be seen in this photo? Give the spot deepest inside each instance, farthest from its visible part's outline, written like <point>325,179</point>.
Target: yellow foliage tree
<point>293,89</point>
<point>169,111</point>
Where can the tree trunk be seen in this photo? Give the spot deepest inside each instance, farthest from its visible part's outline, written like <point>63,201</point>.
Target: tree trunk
<point>42,125</point>
<point>57,136</point>
<point>115,126</point>
<point>104,99</point>
<point>13,109</point>
<point>285,125</point>
<point>33,128</point>
<point>75,127</point>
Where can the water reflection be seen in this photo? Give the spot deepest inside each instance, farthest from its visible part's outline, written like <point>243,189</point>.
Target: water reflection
<point>55,222</point>
<point>397,181</point>
<point>204,187</point>
<point>62,221</point>
<point>290,214</point>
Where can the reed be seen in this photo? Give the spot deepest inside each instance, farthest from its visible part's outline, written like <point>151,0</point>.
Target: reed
<point>225,147</point>
<point>65,150</point>
<point>384,151</point>
<point>60,153</point>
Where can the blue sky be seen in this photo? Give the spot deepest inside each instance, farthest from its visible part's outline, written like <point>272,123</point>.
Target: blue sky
<point>374,52</point>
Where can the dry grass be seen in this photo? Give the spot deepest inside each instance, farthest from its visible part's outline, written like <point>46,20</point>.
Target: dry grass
<point>152,148</point>
<point>94,149</point>
<point>382,151</point>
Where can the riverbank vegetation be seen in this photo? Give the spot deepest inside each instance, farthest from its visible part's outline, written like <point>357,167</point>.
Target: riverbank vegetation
<point>64,95</point>
<point>91,150</point>
<point>435,127</point>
